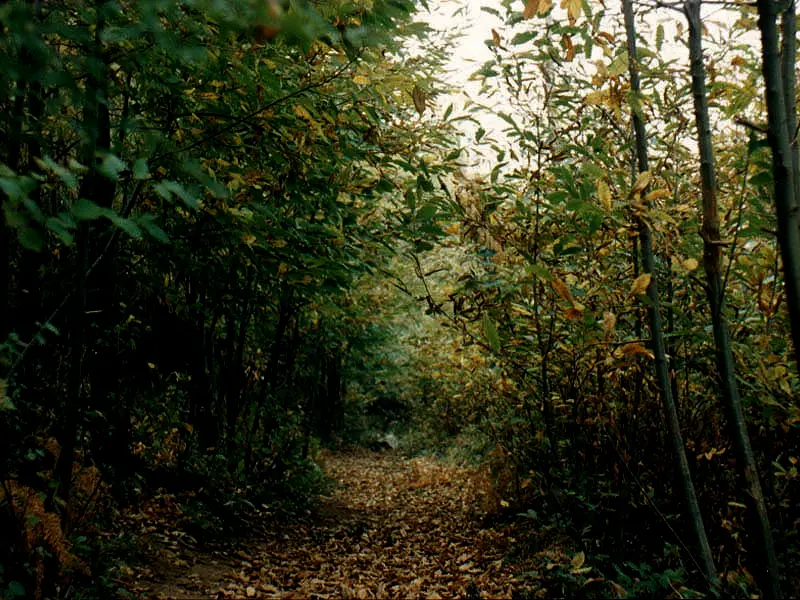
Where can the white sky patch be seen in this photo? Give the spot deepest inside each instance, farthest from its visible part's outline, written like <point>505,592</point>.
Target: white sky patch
<point>473,48</point>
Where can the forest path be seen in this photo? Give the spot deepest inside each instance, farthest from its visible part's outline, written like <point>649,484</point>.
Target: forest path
<point>393,528</point>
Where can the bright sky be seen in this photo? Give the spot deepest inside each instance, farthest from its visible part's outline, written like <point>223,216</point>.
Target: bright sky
<point>474,25</point>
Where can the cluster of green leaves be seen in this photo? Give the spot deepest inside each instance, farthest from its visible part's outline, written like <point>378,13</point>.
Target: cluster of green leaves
<point>188,191</point>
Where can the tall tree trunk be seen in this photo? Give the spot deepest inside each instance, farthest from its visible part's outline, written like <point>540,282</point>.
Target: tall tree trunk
<point>788,62</point>
<point>783,173</point>
<point>94,187</point>
<point>12,160</point>
<point>656,328</point>
<point>770,581</point>
<point>286,311</point>
<point>235,397</point>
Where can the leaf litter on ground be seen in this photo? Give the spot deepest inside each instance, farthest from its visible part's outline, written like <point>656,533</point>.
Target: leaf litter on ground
<point>393,527</point>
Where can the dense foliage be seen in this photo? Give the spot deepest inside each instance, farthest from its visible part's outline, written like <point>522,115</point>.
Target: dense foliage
<point>234,231</point>
<point>188,191</point>
<point>548,289</point>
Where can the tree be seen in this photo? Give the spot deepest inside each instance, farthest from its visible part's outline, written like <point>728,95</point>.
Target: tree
<point>656,327</point>
<point>715,292</point>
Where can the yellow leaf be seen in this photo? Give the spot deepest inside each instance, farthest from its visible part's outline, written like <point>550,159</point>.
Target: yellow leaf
<point>574,8</point>
<point>578,560</point>
<point>642,181</point>
<point>630,350</point>
<point>560,288</point>
<point>302,112</point>
<point>641,284</point>
<point>360,80</point>
<point>604,193</point>
<point>608,323</point>
<point>531,8</point>
<point>544,6</point>
<point>656,194</point>
<point>690,264</point>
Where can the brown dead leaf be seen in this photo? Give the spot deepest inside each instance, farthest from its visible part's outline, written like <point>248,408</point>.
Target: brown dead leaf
<point>640,284</point>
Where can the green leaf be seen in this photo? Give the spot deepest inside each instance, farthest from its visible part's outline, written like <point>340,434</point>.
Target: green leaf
<point>508,119</point>
<point>11,187</point>
<point>34,210</point>
<point>167,188</point>
<point>427,212</point>
<point>66,176</point>
<point>140,169</point>
<point>147,222</point>
<point>126,225</point>
<point>525,36</point>
<point>619,65</point>
<point>31,238</point>
<point>86,210</point>
<point>15,589</point>
<point>762,178</point>
<point>540,272</point>
<point>490,332</point>
<point>111,167</point>
<point>61,229</point>
<point>411,198</point>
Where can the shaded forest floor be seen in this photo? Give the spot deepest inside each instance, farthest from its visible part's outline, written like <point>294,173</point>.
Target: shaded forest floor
<point>392,527</point>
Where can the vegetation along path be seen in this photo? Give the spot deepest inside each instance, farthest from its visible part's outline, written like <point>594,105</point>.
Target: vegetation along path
<point>393,527</point>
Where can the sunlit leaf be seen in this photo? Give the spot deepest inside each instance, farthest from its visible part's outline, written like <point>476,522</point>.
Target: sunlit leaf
<point>640,284</point>
<point>561,288</point>
<point>642,181</point>
<point>690,264</point>
<point>608,323</point>
<point>531,8</point>
<point>604,194</point>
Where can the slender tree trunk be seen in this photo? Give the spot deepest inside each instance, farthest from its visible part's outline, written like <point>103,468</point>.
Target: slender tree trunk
<point>286,311</point>
<point>656,326</point>
<point>783,173</point>
<point>236,397</point>
<point>94,187</point>
<point>729,390</point>
<point>788,62</point>
<point>12,160</point>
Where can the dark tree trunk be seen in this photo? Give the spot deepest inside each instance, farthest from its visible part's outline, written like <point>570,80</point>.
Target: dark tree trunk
<point>784,175</point>
<point>770,580</point>
<point>656,326</point>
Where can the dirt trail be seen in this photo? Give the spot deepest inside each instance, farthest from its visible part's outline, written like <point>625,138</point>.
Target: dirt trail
<point>393,528</point>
